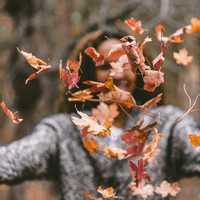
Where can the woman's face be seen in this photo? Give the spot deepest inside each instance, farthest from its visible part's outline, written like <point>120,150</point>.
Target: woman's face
<point>127,81</point>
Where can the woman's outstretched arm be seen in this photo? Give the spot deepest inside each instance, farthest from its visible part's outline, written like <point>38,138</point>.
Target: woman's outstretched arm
<point>33,156</point>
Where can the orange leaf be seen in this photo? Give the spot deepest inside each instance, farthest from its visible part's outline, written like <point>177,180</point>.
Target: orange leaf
<point>134,25</point>
<point>11,115</point>
<point>113,152</point>
<point>194,139</point>
<point>82,95</point>
<point>90,144</point>
<point>107,192</point>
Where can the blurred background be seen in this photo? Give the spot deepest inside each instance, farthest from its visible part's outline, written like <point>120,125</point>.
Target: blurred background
<point>47,28</point>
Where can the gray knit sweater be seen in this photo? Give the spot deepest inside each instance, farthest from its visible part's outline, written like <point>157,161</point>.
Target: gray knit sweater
<point>54,151</point>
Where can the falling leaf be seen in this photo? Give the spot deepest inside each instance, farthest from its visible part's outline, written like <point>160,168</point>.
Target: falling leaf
<point>89,196</point>
<point>144,191</point>
<point>115,52</point>
<point>82,96</point>
<point>151,103</point>
<point>134,25</point>
<point>107,192</point>
<point>194,139</point>
<point>96,56</point>
<point>36,63</point>
<point>94,127</point>
<point>90,144</point>
<point>119,96</point>
<point>11,115</point>
<point>137,172</point>
<point>182,57</point>
<point>167,188</point>
<point>152,79</point>
<point>113,152</point>
<point>150,148</point>
<point>195,22</point>
<point>73,65</point>
<point>105,114</point>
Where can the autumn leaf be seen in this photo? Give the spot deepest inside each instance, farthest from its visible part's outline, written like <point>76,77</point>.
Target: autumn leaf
<point>82,96</point>
<point>96,56</point>
<point>194,139</point>
<point>107,192</point>
<point>36,63</point>
<point>90,144</point>
<point>113,152</point>
<point>167,188</point>
<point>94,127</point>
<point>115,52</point>
<point>195,23</point>
<point>105,114</point>
<point>152,79</point>
<point>144,191</point>
<point>151,103</point>
<point>182,57</point>
<point>11,115</point>
<point>73,65</point>
<point>119,96</point>
<point>134,25</point>
<point>150,148</point>
<point>89,196</point>
<point>137,172</point>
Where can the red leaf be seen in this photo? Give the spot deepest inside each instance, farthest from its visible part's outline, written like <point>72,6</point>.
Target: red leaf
<point>134,25</point>
<point>11,115</point>
<point>96,56</point>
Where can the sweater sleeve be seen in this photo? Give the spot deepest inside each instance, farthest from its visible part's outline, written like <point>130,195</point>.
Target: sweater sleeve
<point>33,156</point>
<point>180,158</point>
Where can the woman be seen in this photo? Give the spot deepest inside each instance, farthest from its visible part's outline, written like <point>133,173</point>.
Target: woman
<point>54,150</point>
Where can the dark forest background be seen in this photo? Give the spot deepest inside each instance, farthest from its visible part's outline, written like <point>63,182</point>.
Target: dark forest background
<point>46,28</point>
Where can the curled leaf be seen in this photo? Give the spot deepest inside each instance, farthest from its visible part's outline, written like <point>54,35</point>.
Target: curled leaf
<point>11,115</point>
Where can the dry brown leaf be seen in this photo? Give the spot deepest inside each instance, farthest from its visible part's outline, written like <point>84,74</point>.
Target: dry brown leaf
<point>107,192</point>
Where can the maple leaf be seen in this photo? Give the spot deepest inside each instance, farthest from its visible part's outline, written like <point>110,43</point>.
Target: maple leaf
<point>96,56</point>
<point>107,192</point>
<point>90,144</point>
<point>134,25</point>
<point>167,188</point>
<point>152,79</point>
<point>113,152</point>
<point>91,123</point>
<point>182,57</point>
<point>82,96</point>
<point>144,191</point>
<point>194,139</point>
<point>11,115</point>
<point>105,114</point>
